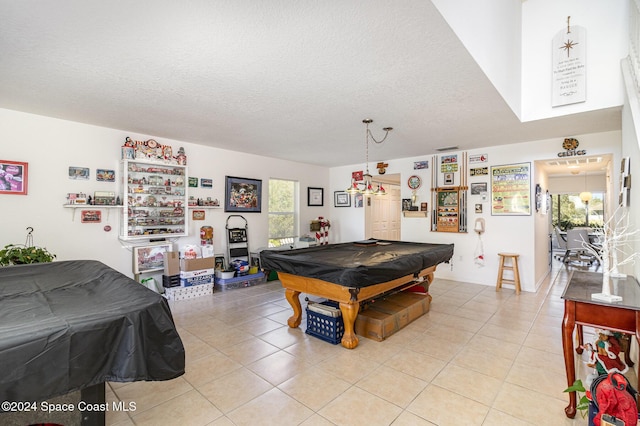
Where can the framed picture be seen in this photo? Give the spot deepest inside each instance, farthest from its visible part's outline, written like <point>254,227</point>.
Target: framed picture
<point>511,189</point>
<point>197,215</point>
<point>13,177</point>
<point>341,199</point>
<point>79,173</point>
<point>478,188</point>
<point>149,258</point>
<point>418,165</point>
<point>406,204</point>
<point>206,183</point>
<point>220,263</point>
<point>315,196</point>
<point>193,182</point>
<point>448,178</point>
<point>358,200</point>
<point>242,195</point>
<point>91,216</point>
<point>104,175</point>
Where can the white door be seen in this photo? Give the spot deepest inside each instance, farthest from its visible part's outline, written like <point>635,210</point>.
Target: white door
<point>383,215</point>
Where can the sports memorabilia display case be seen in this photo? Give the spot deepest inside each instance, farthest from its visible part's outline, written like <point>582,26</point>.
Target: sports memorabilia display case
<point>155,201</point>
<point>448,210</point>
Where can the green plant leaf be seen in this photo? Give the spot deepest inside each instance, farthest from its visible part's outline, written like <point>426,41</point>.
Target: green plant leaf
<point>576,387</point>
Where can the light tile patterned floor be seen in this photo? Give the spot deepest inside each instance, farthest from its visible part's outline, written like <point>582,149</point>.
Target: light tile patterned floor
<point>479,357</point>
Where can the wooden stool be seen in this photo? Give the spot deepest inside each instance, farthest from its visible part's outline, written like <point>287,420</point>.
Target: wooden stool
<point>513,267</point>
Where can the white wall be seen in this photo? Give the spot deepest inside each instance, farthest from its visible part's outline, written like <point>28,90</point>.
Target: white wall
<point>511,41</point>
<point>495,23</point>
<point>606,24</point>
<point>50,146</point>
<point>526,235</point>
<point>631,148</point>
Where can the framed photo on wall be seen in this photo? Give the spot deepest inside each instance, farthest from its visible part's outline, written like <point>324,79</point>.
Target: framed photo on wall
<point>149,258</point>
<point>13,177</point>
<point>478,188</point>
<point>315,196</point>
<point>341,199</point>
<point>511,189</point>
<point>242,195</point>
<point>91,216</point>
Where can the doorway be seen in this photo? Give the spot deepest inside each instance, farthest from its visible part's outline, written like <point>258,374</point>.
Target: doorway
<point>382,213</point>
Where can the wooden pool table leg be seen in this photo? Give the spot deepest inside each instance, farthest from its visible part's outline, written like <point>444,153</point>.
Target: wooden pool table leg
<point>294,300</point>
<point>349,314</point>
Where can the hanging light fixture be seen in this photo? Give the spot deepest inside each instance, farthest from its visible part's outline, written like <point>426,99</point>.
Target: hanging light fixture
<point>366,187</point>
<point>585,195</point>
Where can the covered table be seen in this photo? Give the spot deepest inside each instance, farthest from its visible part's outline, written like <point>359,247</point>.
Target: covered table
<point>67,326</point>
<point>353,272</point>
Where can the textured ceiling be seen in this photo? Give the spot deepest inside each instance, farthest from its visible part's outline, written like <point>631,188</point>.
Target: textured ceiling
<point>285,79</point>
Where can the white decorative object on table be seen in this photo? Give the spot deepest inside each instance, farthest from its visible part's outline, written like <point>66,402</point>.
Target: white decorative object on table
<point>614,235</point>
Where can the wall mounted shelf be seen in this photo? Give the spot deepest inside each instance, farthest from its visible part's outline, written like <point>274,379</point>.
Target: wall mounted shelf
<point>75,207</point>
<point>408,213</point>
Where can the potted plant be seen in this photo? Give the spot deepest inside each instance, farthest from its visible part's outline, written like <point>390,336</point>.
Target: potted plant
<point>13,254</point>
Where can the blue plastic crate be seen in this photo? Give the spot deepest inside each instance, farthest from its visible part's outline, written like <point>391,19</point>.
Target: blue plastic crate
<point>324,327</point>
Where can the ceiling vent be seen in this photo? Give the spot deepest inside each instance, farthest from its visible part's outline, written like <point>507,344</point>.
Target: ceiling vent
<point>447,148</point>
<point>574,161</point>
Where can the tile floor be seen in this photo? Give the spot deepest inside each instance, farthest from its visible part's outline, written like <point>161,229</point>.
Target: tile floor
<point>479,357</point>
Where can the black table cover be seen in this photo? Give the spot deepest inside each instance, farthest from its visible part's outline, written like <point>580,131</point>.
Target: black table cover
<point>68,325</point>
<point>357,264</point>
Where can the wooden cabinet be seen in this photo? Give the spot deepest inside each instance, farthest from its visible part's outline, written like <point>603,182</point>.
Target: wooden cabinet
<point>155,200</point>
<point>447,210</point>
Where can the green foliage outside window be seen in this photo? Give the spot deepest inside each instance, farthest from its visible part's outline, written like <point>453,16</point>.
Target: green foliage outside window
<point>282,211</point>
<point>568,211</point>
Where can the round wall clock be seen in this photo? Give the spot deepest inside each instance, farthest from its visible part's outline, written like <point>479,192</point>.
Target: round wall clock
<point>414,182</point>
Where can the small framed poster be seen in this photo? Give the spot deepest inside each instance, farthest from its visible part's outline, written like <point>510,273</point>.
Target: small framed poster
<point>341,199</point>
<point>149,258</point>
<point>13,177</point>
<point>220,263</point>
<point>478,188</point>
<point>81,173</point>
<point>315,196</point>
<point>242,195</point>
<point>105,175</point>
<point>91,216</point>
<point>197,215</point>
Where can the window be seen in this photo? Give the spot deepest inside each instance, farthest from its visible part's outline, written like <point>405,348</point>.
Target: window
<point>283,212</point>
<point>569,211</point>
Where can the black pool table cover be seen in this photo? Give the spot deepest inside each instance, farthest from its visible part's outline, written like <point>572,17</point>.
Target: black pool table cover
<point>356,264</point>
<point>68,325</point>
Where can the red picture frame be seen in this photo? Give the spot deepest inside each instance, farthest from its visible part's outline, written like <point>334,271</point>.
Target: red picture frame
<point>91,216</point>
<point>14,177</point>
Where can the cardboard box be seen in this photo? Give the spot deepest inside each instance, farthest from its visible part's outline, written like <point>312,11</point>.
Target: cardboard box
<point>193,278</point>
<point>385,317</point>
<point>197,264</point>
<point>171,263</point>
<point>184,293</point>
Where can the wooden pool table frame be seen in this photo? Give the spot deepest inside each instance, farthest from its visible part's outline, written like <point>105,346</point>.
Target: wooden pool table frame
<point>348,297</point>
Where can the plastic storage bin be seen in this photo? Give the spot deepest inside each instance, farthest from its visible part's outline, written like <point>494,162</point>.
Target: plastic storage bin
<point>325,327</point>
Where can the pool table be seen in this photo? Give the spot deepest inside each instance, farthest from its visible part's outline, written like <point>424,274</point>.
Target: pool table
<point>350,273</point>
<point>74,325</point>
